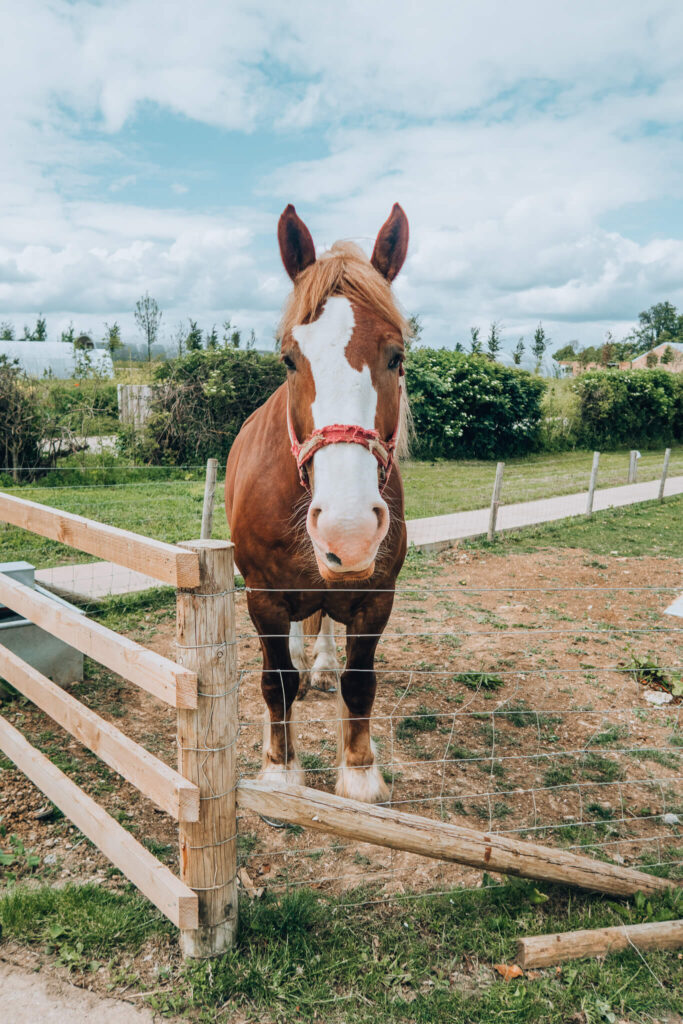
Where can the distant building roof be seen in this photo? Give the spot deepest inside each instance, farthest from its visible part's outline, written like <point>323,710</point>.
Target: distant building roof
<point>56,358</point>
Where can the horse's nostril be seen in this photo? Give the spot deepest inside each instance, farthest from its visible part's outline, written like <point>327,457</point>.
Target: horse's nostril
<point>380,513</point>
<point>315,515</point>
<point>331,557</point>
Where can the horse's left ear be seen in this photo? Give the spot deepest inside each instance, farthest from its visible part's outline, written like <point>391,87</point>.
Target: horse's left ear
<point>296,245</point>
<point>391,246</point>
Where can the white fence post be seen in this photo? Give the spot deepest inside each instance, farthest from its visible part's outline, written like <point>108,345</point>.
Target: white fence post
<point>593,481</point>
<point>495,500</point>
<point>209,491</point>
<point>633,466</point>
<point>665,470</point>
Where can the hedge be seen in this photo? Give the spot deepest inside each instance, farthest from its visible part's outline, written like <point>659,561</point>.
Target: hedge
<point>463,406</point>
<point>639,408</point>
<point>201,401</point>
<point>467,406</point>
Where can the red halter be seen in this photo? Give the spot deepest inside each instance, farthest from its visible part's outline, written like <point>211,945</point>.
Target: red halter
<point>343,433</point>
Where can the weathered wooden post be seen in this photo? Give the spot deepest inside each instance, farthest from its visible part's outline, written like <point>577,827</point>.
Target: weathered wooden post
<point>593,481</point>
<point>495,501</point>
<point>665,470</point>
<point>633,466</point>
<point>207,755</point>
<point>209,491</point>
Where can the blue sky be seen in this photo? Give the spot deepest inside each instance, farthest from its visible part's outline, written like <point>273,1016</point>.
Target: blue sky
<point>537,150</point>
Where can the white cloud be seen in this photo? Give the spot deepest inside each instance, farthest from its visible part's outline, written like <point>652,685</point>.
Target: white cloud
<point>506,131</point>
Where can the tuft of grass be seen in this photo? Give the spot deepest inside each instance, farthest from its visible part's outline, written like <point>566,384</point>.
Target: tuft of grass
<point>424,720</point>
<point>479,680</point>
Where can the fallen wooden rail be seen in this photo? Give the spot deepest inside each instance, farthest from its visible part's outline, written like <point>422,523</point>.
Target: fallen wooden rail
<point>164,786</point>
<point>162,678</point>
<point>383,826</point>
<point>155,880</point>
<point>165,562</point>
<point>543,950</point>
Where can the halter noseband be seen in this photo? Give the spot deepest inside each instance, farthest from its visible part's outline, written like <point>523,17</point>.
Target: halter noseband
<point>343,433</point>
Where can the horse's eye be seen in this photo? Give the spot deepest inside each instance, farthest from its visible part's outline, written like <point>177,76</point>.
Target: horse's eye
<point>395,361</point>
<point>289,363</point>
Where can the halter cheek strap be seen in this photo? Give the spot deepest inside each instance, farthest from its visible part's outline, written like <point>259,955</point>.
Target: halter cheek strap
<point>343,433</point>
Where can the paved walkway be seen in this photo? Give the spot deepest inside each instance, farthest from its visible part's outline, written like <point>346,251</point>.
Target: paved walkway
<point>95,580</point>
<point>441,531</point>
<point>27,997</point>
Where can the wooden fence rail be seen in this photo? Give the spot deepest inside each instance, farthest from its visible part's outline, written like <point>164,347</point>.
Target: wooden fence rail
<point>164,562</point>
<point>156,881</point>
<point>161,677</point>
<point>152,777</point>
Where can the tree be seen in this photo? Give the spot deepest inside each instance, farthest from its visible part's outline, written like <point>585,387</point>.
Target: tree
<point>231,335</point>
<point>475,344</point>
<point>179,338</point>
<point>540,344</point>
<point>651,360</point>
<point>518,351</point>
<point>68,335</point>
<point>40,330</point>
<point>493,340</point>
<point>212,338</point>
<point>193,341</point>
<point>458,347</point>
<point>148,318</point>
<point>660,319</point>
<point>668,355</point>
<point>414,331</point>
<point>6,331</point>
<point>112,338</point>
<point>566,354</point>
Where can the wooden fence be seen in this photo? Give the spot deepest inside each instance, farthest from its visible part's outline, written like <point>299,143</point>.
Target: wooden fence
<point>204,794</point>
<point>135,404</point>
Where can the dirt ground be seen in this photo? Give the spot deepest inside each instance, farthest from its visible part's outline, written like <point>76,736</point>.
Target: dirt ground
<point>503,703</point>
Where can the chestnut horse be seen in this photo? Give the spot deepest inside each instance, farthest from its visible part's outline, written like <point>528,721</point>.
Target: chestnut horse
<point>313,498</point>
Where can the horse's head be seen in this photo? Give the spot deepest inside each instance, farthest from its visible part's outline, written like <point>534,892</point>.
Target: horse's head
<point>342,340</point>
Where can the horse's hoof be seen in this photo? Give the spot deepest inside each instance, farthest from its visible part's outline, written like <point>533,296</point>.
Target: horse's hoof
<point>364,784</point>
<point>304,684</point>
<point>325,680</point>
<point>291,775</point>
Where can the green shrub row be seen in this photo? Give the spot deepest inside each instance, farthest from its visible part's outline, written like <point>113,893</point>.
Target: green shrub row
<point>467,406</point>
<point>639,408</point>
<point>463,406</point>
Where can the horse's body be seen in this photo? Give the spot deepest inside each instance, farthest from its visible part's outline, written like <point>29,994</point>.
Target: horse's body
<point>336,550</point>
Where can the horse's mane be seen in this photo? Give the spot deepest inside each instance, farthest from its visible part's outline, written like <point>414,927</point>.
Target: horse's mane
<point>342,270</point>
<point>345,270</point>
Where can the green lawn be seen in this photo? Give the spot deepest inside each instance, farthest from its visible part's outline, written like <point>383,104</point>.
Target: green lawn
<point>310,957</point>
<point>170,509</point>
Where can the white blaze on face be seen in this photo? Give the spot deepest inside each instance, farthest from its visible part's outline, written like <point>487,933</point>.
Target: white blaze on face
<point>348,517</point>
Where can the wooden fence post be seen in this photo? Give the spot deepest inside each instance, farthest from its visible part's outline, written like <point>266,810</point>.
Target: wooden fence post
<point>665,470</point>
<point>593,481</point>
<point>207,754</point>
<point>633,467</point>
<point>495,501</point>
<point>209,491</point>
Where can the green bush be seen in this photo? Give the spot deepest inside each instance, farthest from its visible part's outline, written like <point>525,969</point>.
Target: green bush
<point>201,401</point>
<point>629,407</point>
<point>466,406</point>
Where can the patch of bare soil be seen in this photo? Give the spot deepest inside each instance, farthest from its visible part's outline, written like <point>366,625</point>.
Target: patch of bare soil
<point>503,703</point>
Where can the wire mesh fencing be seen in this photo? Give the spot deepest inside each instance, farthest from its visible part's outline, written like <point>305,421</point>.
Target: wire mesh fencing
<point>550,713</point>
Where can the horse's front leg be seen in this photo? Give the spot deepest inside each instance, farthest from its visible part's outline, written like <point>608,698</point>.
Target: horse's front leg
<point>359,777</point>
<point>279,685</point>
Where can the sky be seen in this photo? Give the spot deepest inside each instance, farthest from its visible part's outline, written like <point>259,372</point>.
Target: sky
<point>536,148</point>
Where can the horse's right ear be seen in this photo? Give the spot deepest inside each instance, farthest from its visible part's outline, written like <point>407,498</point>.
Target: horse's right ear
<point>296,245</point>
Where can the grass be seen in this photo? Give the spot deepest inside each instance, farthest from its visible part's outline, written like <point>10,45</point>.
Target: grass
<point>306,957</point>
<point>170,509</point>
<point>649,528</point>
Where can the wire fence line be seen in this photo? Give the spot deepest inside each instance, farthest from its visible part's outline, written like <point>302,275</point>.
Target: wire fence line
<point>521,749</point>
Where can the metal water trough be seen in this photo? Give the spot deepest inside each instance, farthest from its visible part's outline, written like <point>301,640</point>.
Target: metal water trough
<point>45,652</point>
